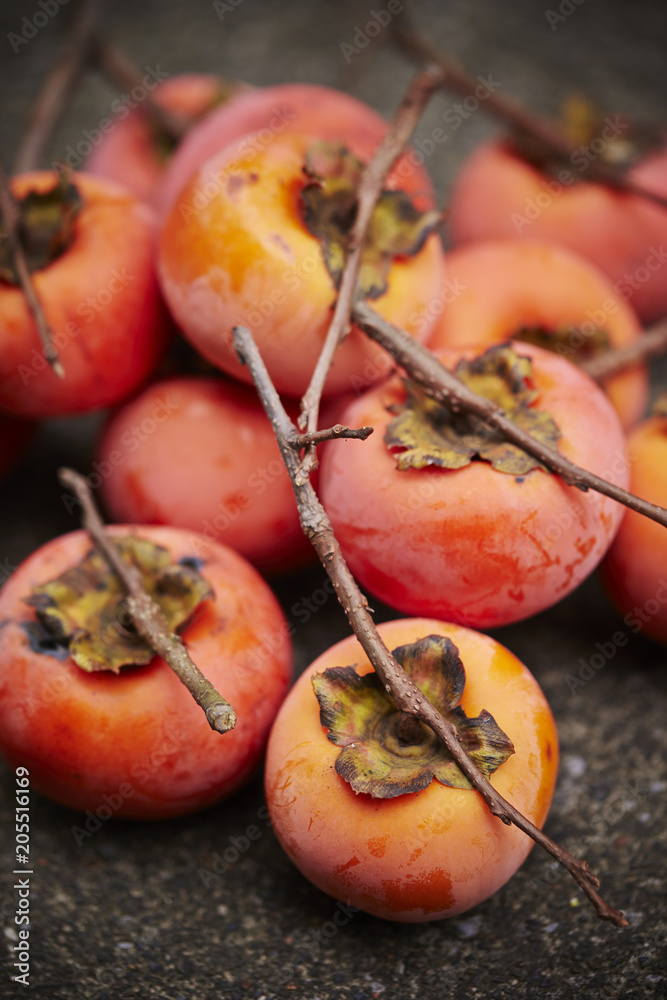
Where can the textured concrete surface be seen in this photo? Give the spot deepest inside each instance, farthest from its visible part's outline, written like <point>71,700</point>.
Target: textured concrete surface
<point>125,912</point>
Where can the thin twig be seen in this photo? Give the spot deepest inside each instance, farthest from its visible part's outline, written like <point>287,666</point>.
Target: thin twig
<point>147,616</point>
<point>408,114</point>
<point>330,434</point>
<point>407,696</point>
<point>10,216</point>
<point>123,73</point>
<point>51,101</point>
<point>545,133</point>
<point>423,367</point>
<point>611,362</point>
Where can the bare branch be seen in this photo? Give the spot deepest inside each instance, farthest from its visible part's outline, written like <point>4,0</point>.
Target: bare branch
<point>405,693</point>
<point>147,616</point>
<point>10,215</point>
<point>423,367</point>
<point>608,363</point>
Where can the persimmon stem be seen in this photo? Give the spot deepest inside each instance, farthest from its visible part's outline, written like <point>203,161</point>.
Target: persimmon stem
<point>421,89</point>
<point>51,100</point>
<point>613,361</point>
<point>424,368</point>
<point>409,699</point>
<point>545,134</point>
<point>147,616</point>
<point>11,218</point>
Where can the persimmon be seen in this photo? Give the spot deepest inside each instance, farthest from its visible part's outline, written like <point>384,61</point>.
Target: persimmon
<point>498,195</point>
<point>95,276</point>
<point>262,114</point>
<point>500,289</point>
<point>425,854</point>
<point>430,529</point>
<point>133,151</point>
<point>237,249</point>
<point>134,743</point>
<point>200,453</point>
<point>635,569</point>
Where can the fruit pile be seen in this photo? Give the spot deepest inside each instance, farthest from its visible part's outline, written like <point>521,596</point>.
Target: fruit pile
<point>247,222</point>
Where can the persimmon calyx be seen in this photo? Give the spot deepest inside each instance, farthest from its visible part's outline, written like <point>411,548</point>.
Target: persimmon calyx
<point>165,142</point>
<point>85,607</point>
<point>569,341</point>
<point>46,228</point>
<point>362,718</point>
<point>426,432</point>
<point>659,407</point>
<point>329,207</point>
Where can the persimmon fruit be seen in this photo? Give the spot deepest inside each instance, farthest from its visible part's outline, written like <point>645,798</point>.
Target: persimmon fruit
<point>427,854</point>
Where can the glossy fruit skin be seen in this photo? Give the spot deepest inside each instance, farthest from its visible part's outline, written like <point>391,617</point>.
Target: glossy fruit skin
<point>264,113</point>
<point>103,304</point>
<point>15,436</point>
<point>428,854</point>
<point>234,250</point>
<point>495,287</point>
<point>136,743</point>
<point>128,154</point>
<point>473,545</point>
<point>200,453</point>
<point>635,569</point>
<point>498,195</point>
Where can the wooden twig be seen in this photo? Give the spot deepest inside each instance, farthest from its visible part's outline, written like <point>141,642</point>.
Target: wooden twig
<point>123,73</point>
<point>547,135</point>
<point>147,616</point>
<point>613,361</point>
<point>407,696</point>
<point>423,367</point>
<point>10,215</point>
<point>330,434</point>
<point>421,89</point>
<point>51,101</point>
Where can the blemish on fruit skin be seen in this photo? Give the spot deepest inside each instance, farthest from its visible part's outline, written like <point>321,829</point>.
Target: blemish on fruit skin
<point>377,846</point>
<point>411,893</point>
<point>281,242</point>
<point>548,750</point>
<point>339,869</point>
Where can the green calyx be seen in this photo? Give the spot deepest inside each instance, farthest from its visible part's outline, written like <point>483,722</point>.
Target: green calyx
<point>85,607</point>
<point>425,432</point>
<point>378,757</point>
<point>329,208</point>
<point>46,228</point>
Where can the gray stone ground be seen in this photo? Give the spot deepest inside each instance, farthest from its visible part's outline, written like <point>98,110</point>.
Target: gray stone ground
<point>126,914</point>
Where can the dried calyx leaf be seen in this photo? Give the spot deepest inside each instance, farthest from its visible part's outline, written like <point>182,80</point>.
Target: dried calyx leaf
<point>363,719</point>
<point>85,607</point>
<point>164,143</point>
<point>426,432</point>
<point>659,407</point>
<point>329,207</point>
<point>46,228</point>
<point>569,341</point>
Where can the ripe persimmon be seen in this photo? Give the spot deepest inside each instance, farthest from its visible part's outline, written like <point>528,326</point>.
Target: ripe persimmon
<point>134,743</point>
<point>236,249</point>
<point>467,542</point>
<point>99,295</point>
<point>426,854</point>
